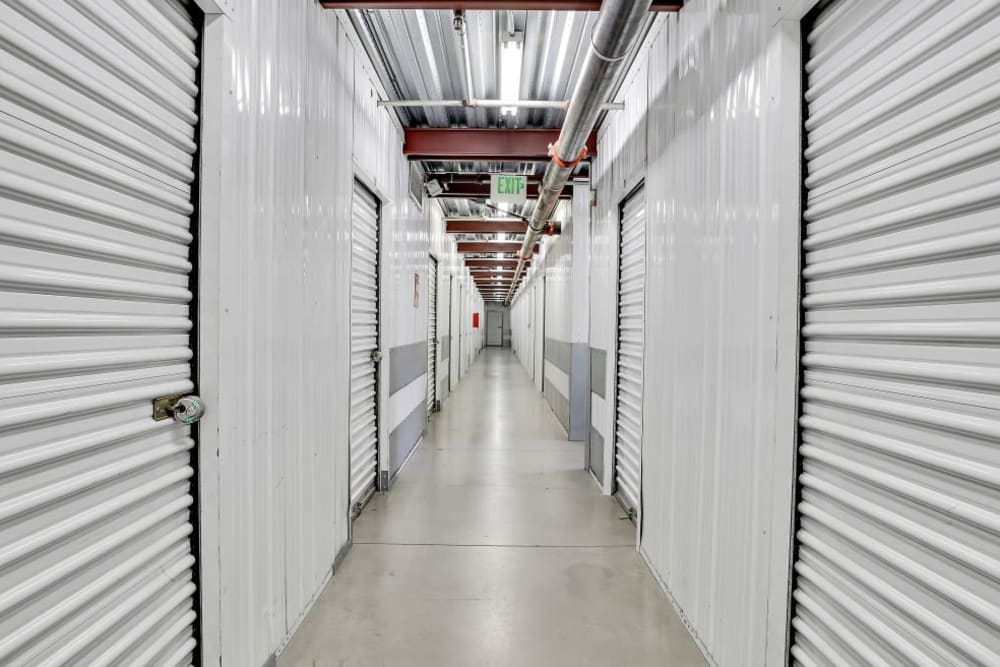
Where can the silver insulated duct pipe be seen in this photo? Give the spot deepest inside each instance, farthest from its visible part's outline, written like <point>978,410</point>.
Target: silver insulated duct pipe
<point>616,30</point>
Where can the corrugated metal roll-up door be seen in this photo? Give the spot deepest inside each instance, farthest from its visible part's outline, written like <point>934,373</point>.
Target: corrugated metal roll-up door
<point>364,345</point>
<point>432,337</point>
<point>98,124</point>
<point>628,399</point>
<point>898,540</point>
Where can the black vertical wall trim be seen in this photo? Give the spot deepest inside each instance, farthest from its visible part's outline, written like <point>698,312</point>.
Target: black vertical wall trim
<point>194,281</point>
<point>806,26</point>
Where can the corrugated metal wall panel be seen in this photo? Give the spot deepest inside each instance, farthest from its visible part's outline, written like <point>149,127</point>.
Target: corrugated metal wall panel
<point>365,320</point>
<point>620,165</point>
<point>287,181</point>
<point>451,267</point>
<point>899,509</point>
<point>97,125</point>
<point>719,373</point>
<point>630,352</point>
<point>603,293</point>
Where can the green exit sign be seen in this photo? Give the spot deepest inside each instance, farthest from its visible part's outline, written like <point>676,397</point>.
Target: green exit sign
<point>511,188</point>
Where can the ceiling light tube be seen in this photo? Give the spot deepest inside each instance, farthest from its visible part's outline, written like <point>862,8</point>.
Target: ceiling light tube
<point>511,58</point>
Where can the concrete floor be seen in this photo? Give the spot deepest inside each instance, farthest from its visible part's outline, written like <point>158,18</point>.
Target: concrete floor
<point>494,548</point>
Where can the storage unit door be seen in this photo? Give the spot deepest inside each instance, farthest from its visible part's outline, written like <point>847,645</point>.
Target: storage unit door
<point>494,328</point>
<point>898,541</point>
<point>628,400</point>
<point>432,337</point>
<point>98,119</point>
<point>364,345</point>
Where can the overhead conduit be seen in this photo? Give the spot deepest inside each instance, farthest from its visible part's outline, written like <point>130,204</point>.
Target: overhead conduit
<point>618,26</point>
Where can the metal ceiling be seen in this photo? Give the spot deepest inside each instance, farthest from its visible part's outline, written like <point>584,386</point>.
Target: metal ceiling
<point>421,54</point>
<point>417,55</point>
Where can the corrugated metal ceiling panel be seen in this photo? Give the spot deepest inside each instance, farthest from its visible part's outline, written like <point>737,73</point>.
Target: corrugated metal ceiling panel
<point>420,54</point>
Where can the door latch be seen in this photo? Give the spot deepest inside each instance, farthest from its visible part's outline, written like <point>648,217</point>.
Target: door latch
<point>182,408</point>
<point>375,356</point>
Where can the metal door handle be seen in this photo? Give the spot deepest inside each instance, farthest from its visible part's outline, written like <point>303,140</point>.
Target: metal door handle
<point>375,356</point>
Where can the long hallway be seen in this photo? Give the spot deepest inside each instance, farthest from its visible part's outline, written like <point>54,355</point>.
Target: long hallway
<point>495,547</point>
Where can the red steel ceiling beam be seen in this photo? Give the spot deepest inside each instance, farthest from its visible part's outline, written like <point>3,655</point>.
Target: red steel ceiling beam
<point>493,263</point>
<point>475,143</point>
<point>490,246</point>
<point>482,191</point>
<point>558,5</point>
<point>453,226</point>
<point>490,279</point>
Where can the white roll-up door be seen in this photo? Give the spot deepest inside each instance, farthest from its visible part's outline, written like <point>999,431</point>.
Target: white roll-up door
<point>898,540</point>
<point>97,141</point>
<point>364,345</point>
<point>432,337</point>
<point>628,399</point>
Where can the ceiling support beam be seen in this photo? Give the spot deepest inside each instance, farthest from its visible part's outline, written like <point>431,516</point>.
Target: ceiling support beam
<point>490,104</point>
<point>484,280</point>
<point>474,143</point>
<point>558,5</point>
<point>489,246</point>
<point>491,263</point>
<point>481,191</point>
<point>489,226</point>
<point>493,226</point>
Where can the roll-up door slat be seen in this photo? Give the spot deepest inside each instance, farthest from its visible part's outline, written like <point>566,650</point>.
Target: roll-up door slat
<point>631,299</point>
<point>364,339</point>
<point>432,346</point>
<point>97,142</point>
<point>899,514</point>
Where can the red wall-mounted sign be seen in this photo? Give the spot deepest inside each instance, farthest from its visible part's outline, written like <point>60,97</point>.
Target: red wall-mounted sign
<point>475,320</point>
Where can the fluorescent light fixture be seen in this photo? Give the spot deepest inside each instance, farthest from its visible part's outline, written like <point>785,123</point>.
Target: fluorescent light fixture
<point>499,255</point>
<point>511,56</point>
<point>501,237</point>
<point>499,268</point>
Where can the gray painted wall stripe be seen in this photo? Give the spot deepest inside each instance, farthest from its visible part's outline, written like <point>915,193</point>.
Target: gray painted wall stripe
<point>596,453</point>
<point>406,364</point>
<point>558,353</point>
<point>558,402</point>
<point>598,371</point>
<point>406,435</point>
<point>445,348</point>
<point>579,392</point>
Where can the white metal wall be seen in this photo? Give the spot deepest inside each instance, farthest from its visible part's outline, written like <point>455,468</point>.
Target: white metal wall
<point>97,119</point>
<point>899,514</point>
<point>522,313</point>
<point>289,155</point>
<point>721,322</point>
<point>619,167</point>
<point>452,273</point>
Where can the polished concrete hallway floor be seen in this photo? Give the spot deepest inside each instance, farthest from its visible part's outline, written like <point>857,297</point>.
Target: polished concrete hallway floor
<point>496,548</point>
